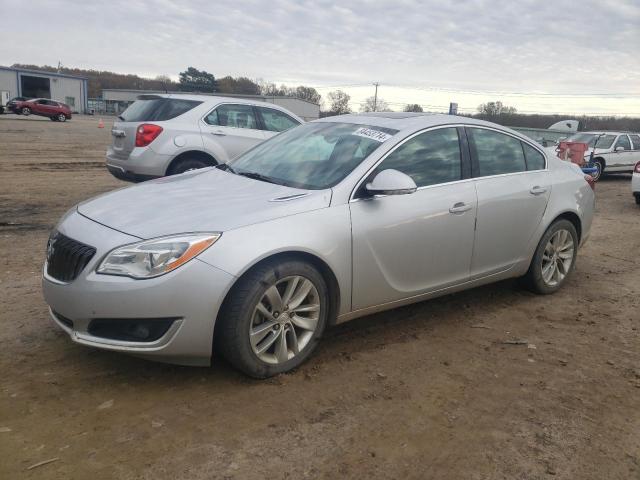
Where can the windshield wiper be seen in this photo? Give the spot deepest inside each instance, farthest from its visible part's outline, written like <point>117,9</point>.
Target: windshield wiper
<point>257,176</point>
<point>226,168</point>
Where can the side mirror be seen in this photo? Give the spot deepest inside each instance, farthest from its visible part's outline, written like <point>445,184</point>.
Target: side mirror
<point>619,149</point>
<point>391,182</point>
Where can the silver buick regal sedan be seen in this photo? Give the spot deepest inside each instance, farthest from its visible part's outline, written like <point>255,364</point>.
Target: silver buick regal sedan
<point>326,222</point>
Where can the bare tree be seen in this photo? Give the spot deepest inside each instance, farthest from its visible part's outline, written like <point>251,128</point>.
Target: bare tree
<point>495,108</point>
<point>373,105</point>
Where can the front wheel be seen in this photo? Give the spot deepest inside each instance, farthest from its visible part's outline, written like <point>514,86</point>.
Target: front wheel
<point>637,195</point>
<point>273,319</point>
<point>53,119</point>
<point>62,117</point>
<point>554,259</point>
<point>25,111</point>
<point>599,166</point>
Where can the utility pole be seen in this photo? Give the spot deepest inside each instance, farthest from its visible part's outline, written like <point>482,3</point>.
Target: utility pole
<point>375,98</point>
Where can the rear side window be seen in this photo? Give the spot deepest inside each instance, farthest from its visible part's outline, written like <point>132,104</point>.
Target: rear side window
<point>276,121</point>
<point>429,158</point>
<point>497,153</point>
<point>635,139</point>
<point>157,109</point>
<point>623,141</point>
<point>535,160</point>
<point>237,116</point>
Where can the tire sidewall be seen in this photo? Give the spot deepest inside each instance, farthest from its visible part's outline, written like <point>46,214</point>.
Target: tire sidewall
<point>251,364</point>
<point>187,164</point>
<point>25,111</point>
<point>600,166</point>
<point>535,271</point>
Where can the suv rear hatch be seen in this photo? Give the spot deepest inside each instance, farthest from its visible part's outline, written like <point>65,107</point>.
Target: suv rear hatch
<point>146,109</point>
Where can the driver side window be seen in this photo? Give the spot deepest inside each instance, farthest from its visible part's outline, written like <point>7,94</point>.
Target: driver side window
<point>237,116</point>
<point>429,158</point>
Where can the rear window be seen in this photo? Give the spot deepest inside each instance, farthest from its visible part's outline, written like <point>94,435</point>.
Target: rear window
<point>157,109</point>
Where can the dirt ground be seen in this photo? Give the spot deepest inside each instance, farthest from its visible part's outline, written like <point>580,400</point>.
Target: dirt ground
<point>426,391</point>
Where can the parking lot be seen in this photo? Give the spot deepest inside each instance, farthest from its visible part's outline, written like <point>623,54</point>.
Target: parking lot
<point>490,383</point>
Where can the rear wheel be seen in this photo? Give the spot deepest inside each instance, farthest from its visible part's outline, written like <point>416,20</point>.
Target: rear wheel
<point>273,319</point>
<point>25,111</point>
<point>187,165</point>
<point>554,259</point>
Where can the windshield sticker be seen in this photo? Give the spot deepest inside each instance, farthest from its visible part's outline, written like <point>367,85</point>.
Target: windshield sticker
<point>376,135</point>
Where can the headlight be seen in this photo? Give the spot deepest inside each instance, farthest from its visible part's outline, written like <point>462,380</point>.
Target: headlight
<point>156,257</point>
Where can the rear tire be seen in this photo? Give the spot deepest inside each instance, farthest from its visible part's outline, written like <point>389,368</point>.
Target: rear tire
<point>554,259</point>
<point>188,164</point>
<point>25,111</point>
<point>637,195</point>
<point>262,337</point>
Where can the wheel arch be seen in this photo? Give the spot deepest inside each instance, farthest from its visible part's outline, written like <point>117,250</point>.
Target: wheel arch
<point>601,159</point>
<point>573,218</point>
<point>197,154</point>
<point>323,267</point>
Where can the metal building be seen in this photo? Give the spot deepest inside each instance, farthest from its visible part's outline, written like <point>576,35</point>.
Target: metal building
<point>69,89</point>
<point>116,101</point>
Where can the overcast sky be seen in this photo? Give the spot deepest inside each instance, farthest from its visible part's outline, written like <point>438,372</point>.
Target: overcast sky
<point>427,52</point>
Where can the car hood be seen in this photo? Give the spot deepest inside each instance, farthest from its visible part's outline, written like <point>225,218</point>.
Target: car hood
<point>207,200</point>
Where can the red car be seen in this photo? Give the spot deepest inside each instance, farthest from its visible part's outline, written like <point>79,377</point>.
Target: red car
<point>56,111</point>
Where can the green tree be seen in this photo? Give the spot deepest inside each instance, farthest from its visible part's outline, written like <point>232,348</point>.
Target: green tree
<point>413,107</point>
<point>309,94</point>
<point>194,80</point>
<point>338,102</point>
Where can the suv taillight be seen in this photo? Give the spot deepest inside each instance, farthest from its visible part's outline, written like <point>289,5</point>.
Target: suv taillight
<point>147,133</point>
<point>591,182</point>
<point>637,169</point>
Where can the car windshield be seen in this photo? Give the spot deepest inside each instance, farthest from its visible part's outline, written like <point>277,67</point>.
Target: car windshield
<point>604,141</point>
<point>312,156</point>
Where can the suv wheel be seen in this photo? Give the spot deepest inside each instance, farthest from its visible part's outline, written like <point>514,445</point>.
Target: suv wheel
<point>273,319</point>
<point>554,259</point>
<point>599,165</point>
<point>25,111</point>
<point>187,165</point>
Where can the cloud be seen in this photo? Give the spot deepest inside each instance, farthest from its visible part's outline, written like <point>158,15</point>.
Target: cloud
<point>526,46</point>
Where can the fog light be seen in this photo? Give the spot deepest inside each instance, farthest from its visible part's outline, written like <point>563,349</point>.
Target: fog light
<point>129,329</point>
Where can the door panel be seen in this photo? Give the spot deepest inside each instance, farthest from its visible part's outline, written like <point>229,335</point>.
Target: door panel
<point>406,245</point>
<point>510,208</point>
<point>233,127</point>
<point>623,158</point>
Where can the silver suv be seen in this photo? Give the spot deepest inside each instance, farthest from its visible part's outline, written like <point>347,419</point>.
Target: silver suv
<point>168,134</point>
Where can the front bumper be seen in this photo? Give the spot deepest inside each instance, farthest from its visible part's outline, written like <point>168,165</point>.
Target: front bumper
<point>635,184</point>
<point>190,295</point>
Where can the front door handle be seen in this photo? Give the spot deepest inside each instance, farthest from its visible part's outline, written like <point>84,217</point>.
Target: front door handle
<point>537,190</point>
<point>218,133</point>
<point>460,207</point>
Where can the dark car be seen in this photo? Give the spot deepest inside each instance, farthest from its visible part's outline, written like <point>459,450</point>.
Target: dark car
<point>56,111</point>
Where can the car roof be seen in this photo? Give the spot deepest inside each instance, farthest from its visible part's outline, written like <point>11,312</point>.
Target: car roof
<point>410,120</point>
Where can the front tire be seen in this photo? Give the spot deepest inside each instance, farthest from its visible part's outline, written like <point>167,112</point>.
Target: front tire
<point>637,195</point>
<point>187,165</point>
<point>554,259</point>
<point>25,111</point>
<point>62,117</point>
<point>273,318</point>
<point>599,165</point>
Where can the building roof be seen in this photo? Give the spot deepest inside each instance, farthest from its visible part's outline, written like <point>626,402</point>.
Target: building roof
<point>214,94</point>
<point>42,72</point>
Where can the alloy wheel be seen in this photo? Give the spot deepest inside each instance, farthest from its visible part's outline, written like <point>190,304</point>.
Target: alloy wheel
<point>285,319</point>
<point>557,257</point>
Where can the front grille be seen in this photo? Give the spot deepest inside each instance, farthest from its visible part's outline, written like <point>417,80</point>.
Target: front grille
<point>67,257</point>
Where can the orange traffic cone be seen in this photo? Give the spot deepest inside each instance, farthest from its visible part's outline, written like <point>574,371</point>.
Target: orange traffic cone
<point>100,124</point>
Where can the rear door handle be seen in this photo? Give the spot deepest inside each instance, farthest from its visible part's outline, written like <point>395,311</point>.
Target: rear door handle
<point>460,207</point>
<point>537,190</point>
<point>218,133</point>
